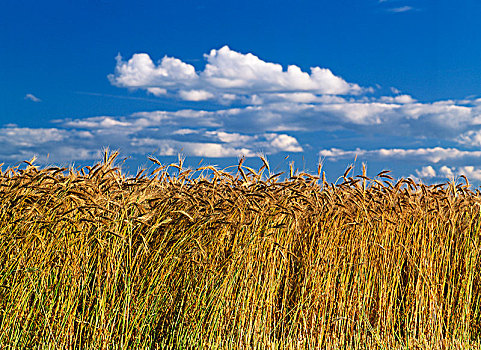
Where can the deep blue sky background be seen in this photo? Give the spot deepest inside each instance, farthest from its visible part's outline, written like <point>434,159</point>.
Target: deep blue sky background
<point>62,51</point>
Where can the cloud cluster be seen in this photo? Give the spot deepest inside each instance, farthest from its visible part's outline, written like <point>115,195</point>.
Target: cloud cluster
<point>420,155</point>
<point>158,133</point>
<point>17,144</point>
<point>269,98</point>
<point>218,144</point>
<point>242,105</point>
<point>470,171</point>
<point>417,120</point>
<point>443,173</point>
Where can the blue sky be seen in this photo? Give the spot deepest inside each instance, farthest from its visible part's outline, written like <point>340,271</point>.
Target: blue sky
<point>395,83</point>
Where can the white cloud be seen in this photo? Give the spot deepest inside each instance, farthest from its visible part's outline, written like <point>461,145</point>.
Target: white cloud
<point>97,123</point>
<point>227,98</point>
<point>357,113</point>
<point>185,132</point>
<point>442,111</point>
<point>426,172</point>
<point>233,70</point>
<point>301,97</point>
<point>470,138</point>
<point>227,74</point>
<point>195,95</point>
<point>446,171</point>
<point>166,147</point>
<point>183,118</point>
<point>157,91</point>
<point>268,142</point>
<point>230,137</point>
<point>284,143</point>
<point>29,137</point>
<point>32,97</point>
<point>216,150</point>
<point>85,134</point>
<point>401,99</point>
<point>141,72</point>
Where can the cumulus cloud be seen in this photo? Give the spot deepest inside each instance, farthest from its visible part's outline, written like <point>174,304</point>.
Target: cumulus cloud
<point>426,172</point>
<point>141,72</point>
<point>228,75</point>
<point>447,171</point>
<point>284,142</point>
<point>32,97</point>
<point>233,70</point>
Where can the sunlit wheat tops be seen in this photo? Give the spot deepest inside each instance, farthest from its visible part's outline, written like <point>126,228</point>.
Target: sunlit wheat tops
<point>237,259</point>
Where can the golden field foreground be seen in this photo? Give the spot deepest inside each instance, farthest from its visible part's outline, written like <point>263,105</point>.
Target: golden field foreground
<point>213,259</point>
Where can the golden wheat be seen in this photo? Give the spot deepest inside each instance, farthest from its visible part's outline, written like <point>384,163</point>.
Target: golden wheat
<point>207,258</point>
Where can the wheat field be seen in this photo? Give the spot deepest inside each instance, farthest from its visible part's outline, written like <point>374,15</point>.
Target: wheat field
<point>236,259</point>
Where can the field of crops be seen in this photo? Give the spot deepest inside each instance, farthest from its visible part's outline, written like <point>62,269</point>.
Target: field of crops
<point>236,259</point>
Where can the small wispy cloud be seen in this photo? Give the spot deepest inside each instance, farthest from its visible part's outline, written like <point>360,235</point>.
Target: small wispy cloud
<point>401,9</point>
<point>32,97</point>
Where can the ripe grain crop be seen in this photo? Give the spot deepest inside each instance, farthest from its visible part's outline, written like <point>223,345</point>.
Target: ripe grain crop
<point>236,259</point>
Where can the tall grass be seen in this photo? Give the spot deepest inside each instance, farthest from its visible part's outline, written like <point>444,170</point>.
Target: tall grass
<point>244,260</point>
